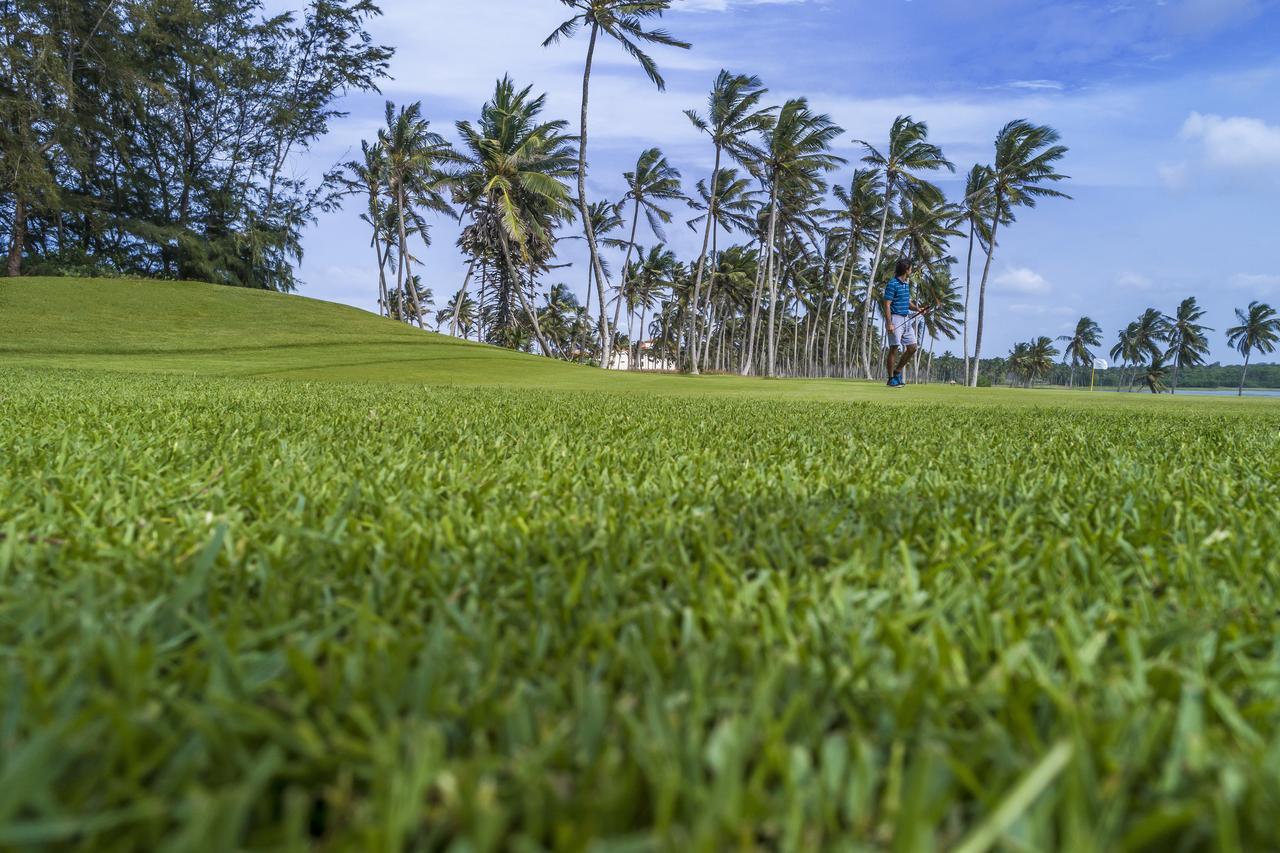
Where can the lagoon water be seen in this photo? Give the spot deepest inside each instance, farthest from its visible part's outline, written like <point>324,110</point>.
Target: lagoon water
<point>1230,392</point>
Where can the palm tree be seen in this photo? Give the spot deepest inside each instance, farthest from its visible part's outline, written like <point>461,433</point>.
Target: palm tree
<point>513,187</point>
<point>979,208</point>
<point>940,292</point>
<point>1016,363</point>
<point>416,179</point>
<point>1026,155</point>
<point>367,175</point>
<point>733,115</point>
<point>1033,360</point>
<point>1087,334</point>
<point>1188,344</point>
<point>460,311</point>
<point>899,167</point>
<point>1154,377</point>
<point>1150,334</point>
<point>650,275</point>
<point>652,182</point>
<point>606,218</point>
<point>623,21</point>
<point>737,207</point>
<point>797,149</point>
<point>1259,330</point>
<point>1126,351</point>
<point>859,210</point>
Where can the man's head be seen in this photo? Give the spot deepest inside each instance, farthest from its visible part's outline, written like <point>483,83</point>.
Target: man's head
<point>903,268</point>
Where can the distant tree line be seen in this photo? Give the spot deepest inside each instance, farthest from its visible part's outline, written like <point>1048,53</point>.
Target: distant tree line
<point>795,295</point>
<point>156,137</point>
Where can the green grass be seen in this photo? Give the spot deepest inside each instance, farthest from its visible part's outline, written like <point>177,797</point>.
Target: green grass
<point>634,612</point>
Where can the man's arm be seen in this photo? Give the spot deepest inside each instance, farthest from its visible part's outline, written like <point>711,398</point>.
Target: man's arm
<point>888,315</point>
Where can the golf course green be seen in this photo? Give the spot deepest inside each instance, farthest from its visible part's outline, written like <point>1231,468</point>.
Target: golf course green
<point>278,574</point>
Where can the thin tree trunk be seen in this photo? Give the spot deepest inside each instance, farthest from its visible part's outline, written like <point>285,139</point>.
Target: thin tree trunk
<point>462,295</point>
<point>968,281</point>
<point>702,260</point>
<point>754,322</point>
<point>982,295</point>
<point>639,352</point>
<point>626,262</point>
<point>1244,373</point>
<point>711,306</point>
<point>831,313</point>
<point>772,369</point>
<point>405,263</point>
<point>584,207</point>
<point>517,284</point>
<point>871,274</point>
<point>849,271</point>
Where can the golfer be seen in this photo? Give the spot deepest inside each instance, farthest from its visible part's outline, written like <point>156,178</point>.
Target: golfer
<point>898,307</point>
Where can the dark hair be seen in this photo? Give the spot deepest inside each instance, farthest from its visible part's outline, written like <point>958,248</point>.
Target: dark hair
<point>903,267</point>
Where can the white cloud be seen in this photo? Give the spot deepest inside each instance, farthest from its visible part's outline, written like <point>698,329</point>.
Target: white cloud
<point>1261,285</point>
<point>1174,175</point>
<point>1134,281</point>
<point>1234,143</point>
<point>1052,85</point>
<point>1022,280</point>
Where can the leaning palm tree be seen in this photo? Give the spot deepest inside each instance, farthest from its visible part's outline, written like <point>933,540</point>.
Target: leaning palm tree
<point>733,116</point>
<point>1125,352</point>
<point>900,167</point>
<point>1150,334</point>
<point>1188,344</point>
<point>624,22</point>
<point>1259,330</point>
<point>1155,374</point>
<point>1026,156</point>
<point>797,149</point>
<point>416,174</point>
<point>513,187</point>
<point>1078,350</point>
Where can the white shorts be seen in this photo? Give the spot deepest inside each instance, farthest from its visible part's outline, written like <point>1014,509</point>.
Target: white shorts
<point>905,333</point>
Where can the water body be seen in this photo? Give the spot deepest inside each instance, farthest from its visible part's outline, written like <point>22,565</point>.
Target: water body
<point>1229,392</point>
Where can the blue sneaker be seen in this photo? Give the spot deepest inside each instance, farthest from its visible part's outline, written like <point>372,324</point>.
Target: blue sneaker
<point>896,382</point>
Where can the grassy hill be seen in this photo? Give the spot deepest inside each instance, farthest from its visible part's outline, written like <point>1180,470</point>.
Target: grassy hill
<point>209,330</point>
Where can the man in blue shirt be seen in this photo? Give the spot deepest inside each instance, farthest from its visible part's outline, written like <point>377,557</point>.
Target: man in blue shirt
<point>898,306</point>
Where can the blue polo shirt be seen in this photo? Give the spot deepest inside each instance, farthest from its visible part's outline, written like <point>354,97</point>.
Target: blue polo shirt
<point>898,294</point>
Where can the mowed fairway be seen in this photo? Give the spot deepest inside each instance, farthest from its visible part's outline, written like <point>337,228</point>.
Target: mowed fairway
<point>471,598</point>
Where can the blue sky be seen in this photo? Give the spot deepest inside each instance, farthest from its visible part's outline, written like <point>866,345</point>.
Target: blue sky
<point>1169,108</point>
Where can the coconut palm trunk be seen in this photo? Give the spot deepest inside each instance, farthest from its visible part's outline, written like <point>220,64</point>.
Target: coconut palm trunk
<point>702,260</point>
<point>754,322</point>
<point>462,295</point>
<point>1244,374</point>
<point>404,272</point>
<point>982,295</point>
<point>871,274</point>
<point>589,229</point>
<point>771,370</point>
<point>968,282</point>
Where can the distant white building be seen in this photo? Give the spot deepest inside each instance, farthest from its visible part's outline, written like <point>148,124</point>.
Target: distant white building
<point>648,361</point>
